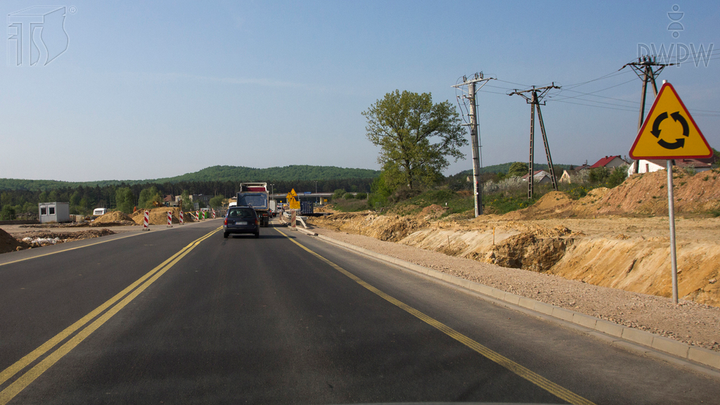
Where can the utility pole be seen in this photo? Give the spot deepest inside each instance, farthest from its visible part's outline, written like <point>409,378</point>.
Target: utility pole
<point>644,69</point>
<point>533,96</point>
<point>474,137</point>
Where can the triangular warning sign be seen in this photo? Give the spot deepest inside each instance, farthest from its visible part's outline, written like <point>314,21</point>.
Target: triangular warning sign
<point>669,132</point>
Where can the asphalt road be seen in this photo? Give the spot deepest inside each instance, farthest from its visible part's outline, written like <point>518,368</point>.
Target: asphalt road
<point>185,316</point>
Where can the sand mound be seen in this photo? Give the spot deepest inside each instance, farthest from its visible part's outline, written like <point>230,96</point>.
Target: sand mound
<point>640,195</point>
<point>10,244</point>
<point>113,218</point>
<point>158,216</point>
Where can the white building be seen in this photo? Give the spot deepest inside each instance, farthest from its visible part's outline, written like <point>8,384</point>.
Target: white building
<point>54,212</point>
<point>653,165</point>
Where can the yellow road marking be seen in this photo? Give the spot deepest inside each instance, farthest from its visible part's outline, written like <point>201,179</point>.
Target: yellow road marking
<point>542,382</point>
<point>136,288</point>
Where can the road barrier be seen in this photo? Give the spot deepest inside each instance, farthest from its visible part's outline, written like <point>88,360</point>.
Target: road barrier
<point>169,219</point>
<point>182,219</point>
<point>146,221</point>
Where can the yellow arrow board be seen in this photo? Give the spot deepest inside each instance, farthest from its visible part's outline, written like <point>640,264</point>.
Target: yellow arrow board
<point>669,132</point>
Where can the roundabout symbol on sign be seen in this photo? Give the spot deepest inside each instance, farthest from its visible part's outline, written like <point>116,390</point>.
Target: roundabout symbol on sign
<point>679,142</point>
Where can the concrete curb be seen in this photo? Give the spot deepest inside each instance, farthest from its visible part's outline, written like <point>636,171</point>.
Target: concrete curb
<point>662,344</point>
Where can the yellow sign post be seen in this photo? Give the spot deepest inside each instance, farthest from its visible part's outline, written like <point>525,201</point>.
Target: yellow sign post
<point>669,132</point>
<point>293,202</point>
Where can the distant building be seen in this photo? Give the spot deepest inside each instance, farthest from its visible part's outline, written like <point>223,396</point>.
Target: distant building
<point>610,162</point>
<point>576,175</point>
<point>170,201</point>
<point>54,212</point>
<point>539,177</point>
<point>653,165</point>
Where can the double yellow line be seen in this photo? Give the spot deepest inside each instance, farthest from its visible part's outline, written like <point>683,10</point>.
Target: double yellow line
<point>524,372</point>
<point>86,326</point>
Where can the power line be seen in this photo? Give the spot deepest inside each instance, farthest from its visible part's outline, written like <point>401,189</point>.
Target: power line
<point>580,94</point>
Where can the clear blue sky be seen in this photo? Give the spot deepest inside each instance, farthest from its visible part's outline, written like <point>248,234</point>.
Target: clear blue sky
<point>155,89</point>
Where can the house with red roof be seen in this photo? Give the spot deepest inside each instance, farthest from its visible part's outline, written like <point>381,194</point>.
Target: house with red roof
<point>610,162</point>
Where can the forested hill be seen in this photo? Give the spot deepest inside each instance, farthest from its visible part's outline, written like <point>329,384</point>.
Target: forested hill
<point>214,173</point>
<point>286,173</point>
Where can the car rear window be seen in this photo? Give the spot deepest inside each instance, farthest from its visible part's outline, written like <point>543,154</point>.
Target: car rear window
<point>242,213</point>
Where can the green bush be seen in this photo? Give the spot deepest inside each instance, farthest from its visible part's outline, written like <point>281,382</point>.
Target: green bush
<point>337,194</point>
<point>348,196</point>
<point>361,196</point>
<point>617,177</point>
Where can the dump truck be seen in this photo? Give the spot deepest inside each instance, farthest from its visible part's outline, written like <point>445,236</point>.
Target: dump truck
<point>256,195</point>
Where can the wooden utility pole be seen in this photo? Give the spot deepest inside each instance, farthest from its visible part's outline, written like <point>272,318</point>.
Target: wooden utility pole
<point>533,96</point>
<point>644,69</point>
<point>474,134</point>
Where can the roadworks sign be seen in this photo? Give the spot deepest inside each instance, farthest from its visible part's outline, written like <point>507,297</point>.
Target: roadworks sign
<point>293,202</point>
<point>669,132</point>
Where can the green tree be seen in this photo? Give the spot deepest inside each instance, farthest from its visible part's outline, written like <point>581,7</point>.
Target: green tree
<point>617,177</point>
<point>75,198</point>
<point>416,137</point>
<point>217,201</point>
<point>148,196</point>
<point>379,192</point>
<point>187,205</point>
<point>598,174</point>
<point>518,169</point>
<point>338,194</point>
<point>125,199</point>
<point>7,213</point>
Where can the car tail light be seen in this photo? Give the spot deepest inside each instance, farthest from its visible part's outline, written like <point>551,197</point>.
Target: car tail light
<point>256,222</point>
<point>225,223</point>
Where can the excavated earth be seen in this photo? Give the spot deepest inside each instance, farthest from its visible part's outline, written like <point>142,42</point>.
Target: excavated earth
<point>606,254</point>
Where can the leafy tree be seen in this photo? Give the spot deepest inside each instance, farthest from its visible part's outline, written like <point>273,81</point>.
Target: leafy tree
<point>217,201</point>
<point>124,199</point>
<point>379,192</point>
<point>187,205</point>
<point>75,198</point>
<point>518,169</point>
<point>339,193</point>
<point>598,174</point>
<point>148,196</point>
<point>617,177</point>
<point>416,137</point>
<point>7,213</point>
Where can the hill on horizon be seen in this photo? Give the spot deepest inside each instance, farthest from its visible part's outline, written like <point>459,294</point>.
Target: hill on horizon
<point>213,173</point>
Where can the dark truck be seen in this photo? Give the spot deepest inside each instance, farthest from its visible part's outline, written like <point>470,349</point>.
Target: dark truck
<point>256,195</point>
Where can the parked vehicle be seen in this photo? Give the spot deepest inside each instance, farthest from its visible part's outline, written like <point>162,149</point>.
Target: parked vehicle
<point>241,219</point>
<point>255,195</point>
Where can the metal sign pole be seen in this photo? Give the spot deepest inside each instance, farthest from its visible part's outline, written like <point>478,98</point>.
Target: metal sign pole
<point>671,212</point>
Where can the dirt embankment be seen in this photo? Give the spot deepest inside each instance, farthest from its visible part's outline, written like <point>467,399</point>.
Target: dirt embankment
<point>600,239</point>
<point>159,216</point>
<point>113,218</point>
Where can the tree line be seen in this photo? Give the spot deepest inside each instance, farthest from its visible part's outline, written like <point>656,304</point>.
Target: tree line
<point>23,204</point>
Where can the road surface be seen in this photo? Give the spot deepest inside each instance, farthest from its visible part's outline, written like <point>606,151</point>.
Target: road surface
<point>185,316</point>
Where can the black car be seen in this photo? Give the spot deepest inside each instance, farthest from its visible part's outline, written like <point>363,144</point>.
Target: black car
<point>241,220</point>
